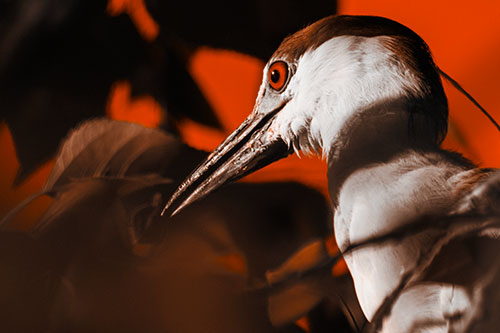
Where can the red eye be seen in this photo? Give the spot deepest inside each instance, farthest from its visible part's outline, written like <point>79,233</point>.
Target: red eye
<point>278,75</point>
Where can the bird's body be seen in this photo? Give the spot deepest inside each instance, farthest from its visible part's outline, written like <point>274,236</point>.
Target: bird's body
<point>364,92</point>
<point>382,197</point>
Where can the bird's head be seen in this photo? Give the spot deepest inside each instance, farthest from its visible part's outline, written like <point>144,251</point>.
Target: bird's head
<point>320,82</point>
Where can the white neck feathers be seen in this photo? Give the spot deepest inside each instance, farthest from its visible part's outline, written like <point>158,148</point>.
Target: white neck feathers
<point>338,81</point>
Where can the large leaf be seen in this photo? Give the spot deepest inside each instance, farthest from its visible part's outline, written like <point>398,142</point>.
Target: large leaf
<point>105,148</point>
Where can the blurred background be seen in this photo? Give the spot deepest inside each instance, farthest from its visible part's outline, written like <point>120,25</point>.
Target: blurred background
<point>192,69</point>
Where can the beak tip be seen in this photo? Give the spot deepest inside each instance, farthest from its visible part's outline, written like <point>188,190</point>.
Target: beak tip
<point>184,204</point>
<point>168,205</point>
<point>177,210</point>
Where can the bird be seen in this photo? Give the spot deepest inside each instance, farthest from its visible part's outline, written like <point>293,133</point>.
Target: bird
<point>364,93</point>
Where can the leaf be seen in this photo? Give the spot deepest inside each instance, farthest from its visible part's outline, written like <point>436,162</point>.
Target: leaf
<point>103,153</point>
<point>308,257</point>
<point>294,302</point>
<point>295,298</point>
<point>180,92</point>
<point>121,198</point>
<point>74,200</point>
<point>103,147</point>
<point>245,26</point>
<point>303,281</point>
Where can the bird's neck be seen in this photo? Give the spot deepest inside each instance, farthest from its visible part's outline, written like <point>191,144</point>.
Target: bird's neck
<point>377,157</point>
<point>375,137</point>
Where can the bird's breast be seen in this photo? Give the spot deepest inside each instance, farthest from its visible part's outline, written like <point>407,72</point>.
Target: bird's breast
<point>374,201</point>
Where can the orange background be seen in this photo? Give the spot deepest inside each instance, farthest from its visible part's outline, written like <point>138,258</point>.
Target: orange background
<point>463,36</point>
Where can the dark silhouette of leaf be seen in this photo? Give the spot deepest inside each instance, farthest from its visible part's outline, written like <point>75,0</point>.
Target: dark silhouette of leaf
<point>176,89</point>
<point>328,317</point>
<point>252,27</point>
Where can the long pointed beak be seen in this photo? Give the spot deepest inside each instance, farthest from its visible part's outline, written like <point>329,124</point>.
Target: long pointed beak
<point>249,148</point>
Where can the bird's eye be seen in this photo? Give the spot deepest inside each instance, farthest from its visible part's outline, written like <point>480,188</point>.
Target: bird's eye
<point>278,75</point>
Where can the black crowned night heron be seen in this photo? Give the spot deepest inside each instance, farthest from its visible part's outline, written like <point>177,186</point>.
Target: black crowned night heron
<point>365,93</point>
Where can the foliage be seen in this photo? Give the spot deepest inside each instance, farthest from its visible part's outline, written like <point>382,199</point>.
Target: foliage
<point>102,259</point>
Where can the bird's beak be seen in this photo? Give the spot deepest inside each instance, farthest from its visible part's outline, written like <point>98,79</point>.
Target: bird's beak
<point>250,147</point>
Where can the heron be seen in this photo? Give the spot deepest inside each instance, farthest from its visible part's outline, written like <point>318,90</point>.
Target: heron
<point>364,93</point>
